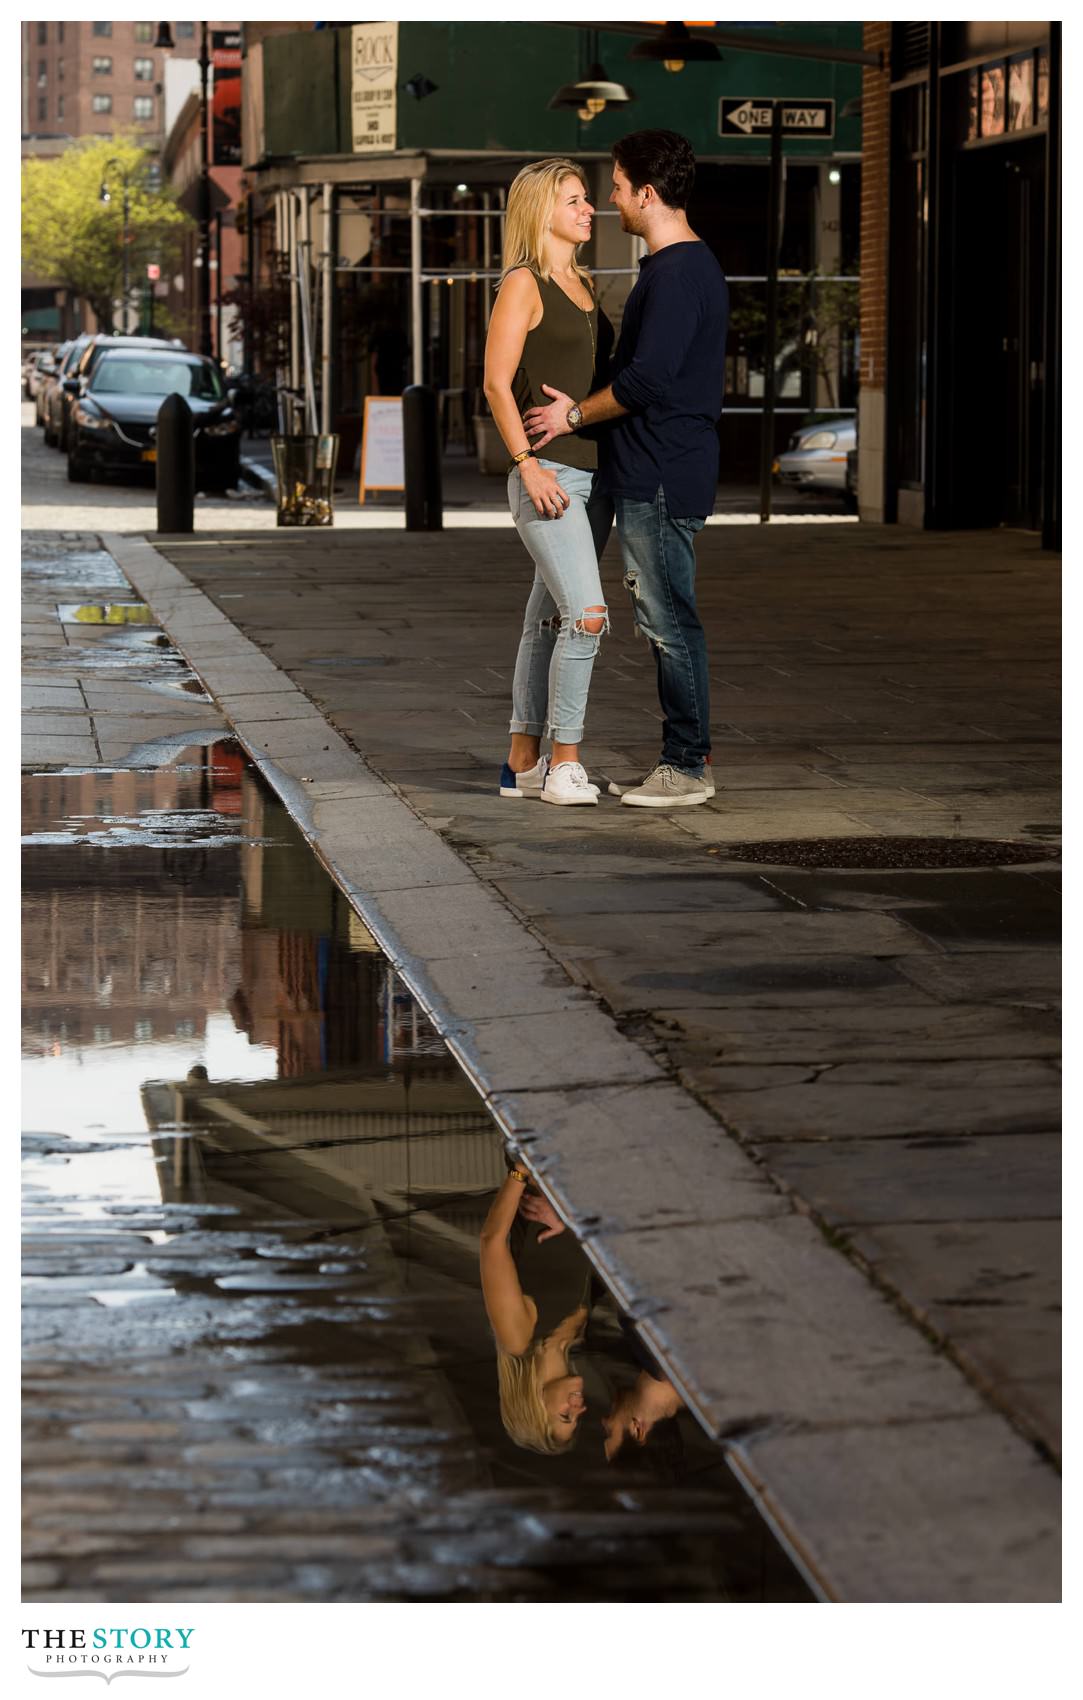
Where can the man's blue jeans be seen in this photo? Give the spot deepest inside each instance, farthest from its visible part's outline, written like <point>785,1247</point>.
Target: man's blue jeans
<point>660,573</point>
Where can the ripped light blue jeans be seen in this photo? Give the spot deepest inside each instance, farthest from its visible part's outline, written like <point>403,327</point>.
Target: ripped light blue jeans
<point>556,653</point>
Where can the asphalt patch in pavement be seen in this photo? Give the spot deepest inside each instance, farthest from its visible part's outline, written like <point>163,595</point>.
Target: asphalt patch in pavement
<point>887,852</point>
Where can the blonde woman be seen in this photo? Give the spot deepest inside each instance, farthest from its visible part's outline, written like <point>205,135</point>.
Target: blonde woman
<point>541,1401</point>
<point>547,333</point>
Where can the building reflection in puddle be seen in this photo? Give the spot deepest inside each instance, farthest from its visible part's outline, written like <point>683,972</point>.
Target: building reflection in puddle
<point>343,1162</point>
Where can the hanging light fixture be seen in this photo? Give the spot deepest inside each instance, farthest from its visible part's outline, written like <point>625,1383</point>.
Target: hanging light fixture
<point>164,38</point>
<point>593,92</point>
<point>675,46</point>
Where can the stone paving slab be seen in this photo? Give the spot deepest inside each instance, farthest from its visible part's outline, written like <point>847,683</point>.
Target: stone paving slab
<point>996,1291</point>
<point>847,1100</point>
<point>901,1033</point>
<point>929,1477</point>
<point>944,1179</point>
<point>805,1343</point>
<point>812,609</point>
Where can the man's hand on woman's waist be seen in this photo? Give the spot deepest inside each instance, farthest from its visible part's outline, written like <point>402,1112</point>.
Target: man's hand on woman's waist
<point>545,423</point>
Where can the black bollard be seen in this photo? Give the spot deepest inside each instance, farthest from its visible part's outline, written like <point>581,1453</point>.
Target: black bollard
<point>421,459</point>
<point>175,468</point>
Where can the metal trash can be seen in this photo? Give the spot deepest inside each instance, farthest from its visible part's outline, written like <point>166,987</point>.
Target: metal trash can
<point>305,476</point>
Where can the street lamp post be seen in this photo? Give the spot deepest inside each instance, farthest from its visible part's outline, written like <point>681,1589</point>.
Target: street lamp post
<point>165,42</point>
<point>206,343</point>
<point>106,197</point>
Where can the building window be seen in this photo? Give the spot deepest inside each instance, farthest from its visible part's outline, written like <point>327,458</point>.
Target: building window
<point>101,66</point>
<point>144,70</point>
<point>101,29</point>
<point>101,103</point>
<point>60,32</point>
<point>144,106</point>
<point>1021,93</point>
<point>42,73</point>
<point>43,34</point>
<point>186,30</point>
<point>41,108</point>
<point>992,100</point>
<point>144,32</point>
<point>60,106</point>
<point>60,70</point>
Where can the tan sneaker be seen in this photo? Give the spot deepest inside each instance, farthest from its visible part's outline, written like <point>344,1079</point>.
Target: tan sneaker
<point>666,787</point>
<point>706,779</point>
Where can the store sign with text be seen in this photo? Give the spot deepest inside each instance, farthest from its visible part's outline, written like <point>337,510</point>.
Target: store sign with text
<point>373,92</point>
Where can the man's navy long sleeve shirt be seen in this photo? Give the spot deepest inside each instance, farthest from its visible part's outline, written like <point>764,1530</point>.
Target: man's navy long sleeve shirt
<point>668,371</point>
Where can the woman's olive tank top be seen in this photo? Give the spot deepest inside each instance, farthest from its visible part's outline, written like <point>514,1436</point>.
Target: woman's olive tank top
<point>569,350</point>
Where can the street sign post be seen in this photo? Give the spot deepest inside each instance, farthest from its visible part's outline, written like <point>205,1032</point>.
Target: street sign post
<point>775,206</point>
<point>751,116</point>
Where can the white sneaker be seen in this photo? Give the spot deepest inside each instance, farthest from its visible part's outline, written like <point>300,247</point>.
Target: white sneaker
<point>530,783</point>
<point>568,783</point>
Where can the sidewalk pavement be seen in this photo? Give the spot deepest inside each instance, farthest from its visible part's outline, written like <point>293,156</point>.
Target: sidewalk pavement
<point>805,1121</point>
<point>465,488</point>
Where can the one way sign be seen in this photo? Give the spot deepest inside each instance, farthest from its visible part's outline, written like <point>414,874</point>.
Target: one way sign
<point>752,117</point>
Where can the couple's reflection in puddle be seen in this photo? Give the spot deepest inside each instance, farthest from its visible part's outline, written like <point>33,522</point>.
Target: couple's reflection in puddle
<point>558,1333</point>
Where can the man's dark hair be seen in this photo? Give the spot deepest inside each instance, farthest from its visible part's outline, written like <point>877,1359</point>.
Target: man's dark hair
<point>661,158</point>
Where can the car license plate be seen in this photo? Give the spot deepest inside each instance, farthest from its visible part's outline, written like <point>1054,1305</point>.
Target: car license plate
<point>150,454</point>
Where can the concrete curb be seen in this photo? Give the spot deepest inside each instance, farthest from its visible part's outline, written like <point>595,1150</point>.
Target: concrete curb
<point>255,473</point>
<point>880,1468</point>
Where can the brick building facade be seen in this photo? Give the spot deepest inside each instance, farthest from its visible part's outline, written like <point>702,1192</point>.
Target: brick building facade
<point>95,79</point>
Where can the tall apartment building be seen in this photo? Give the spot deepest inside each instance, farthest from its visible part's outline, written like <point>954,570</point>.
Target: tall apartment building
<point>95,79</point>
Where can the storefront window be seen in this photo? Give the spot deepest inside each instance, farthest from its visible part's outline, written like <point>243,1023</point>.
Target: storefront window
<point>992,100</point>
<point>972,107</point>
<point>1043,86</point>
<point>1021,93</point>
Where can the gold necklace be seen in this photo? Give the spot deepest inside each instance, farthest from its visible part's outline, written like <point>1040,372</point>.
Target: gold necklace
<point>587,311</point>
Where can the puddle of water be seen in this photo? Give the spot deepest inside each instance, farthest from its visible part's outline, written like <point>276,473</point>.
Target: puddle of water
<point>231,1089</point>
<point>94,568</point>
<point>105,614</point>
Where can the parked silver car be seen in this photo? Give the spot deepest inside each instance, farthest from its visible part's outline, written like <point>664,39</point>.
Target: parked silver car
<point>816,456</point>
<point>36,370</point>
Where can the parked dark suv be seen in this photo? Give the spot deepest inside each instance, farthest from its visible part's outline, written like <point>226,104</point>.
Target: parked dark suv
<point>114,418</point>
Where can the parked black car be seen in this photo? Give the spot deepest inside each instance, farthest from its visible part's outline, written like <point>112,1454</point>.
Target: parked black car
<point>90,352</point>
<point>114,418</point>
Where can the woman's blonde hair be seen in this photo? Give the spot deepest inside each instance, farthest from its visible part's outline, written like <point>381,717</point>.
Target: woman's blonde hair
<point>522,1408</point>
<point>531,200</point>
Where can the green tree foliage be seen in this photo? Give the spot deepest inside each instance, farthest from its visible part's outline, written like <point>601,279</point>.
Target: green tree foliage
<point>815,315</point>
<point>72,237</point>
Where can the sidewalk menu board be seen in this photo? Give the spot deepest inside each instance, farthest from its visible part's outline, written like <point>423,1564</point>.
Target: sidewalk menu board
<point>381,445</point>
